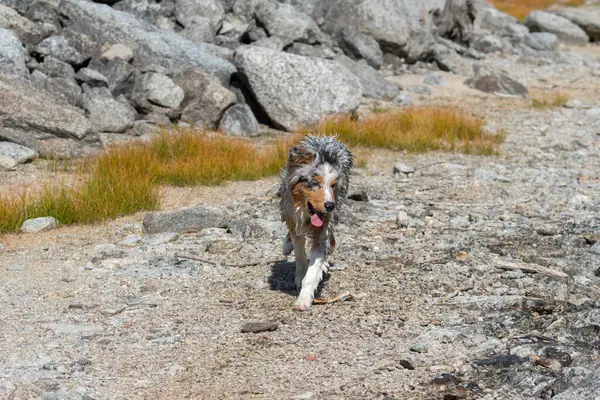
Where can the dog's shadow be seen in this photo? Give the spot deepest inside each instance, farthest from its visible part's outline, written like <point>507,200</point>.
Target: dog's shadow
<point>283,276</point>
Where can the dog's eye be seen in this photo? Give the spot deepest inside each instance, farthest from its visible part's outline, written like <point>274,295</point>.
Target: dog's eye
<point>333,185</point>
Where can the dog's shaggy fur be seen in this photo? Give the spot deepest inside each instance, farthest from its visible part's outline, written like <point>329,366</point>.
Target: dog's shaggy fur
<point>314,184</point>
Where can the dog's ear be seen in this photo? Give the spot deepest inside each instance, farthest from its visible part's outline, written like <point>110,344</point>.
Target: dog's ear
<point>300,155</point>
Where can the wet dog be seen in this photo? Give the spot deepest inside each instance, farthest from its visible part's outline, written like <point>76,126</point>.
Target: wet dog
<point>314,184</point>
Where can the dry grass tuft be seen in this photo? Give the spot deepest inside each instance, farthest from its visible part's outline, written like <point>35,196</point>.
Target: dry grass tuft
<point>549,100</point>
<point>520,8</point>
<point>415,130</point>
<point>185,158</point>
<point>126,179</point>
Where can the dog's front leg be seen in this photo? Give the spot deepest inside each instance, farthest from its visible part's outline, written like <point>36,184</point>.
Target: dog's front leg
<point>314,274</point>
<point>299,243</point>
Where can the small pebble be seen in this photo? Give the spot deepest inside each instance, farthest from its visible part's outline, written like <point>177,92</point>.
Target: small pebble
<point>256,327</point>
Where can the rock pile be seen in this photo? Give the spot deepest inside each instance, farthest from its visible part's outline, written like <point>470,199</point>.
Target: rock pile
<point>74,73</point>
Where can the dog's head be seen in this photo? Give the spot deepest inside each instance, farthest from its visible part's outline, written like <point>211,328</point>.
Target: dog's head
<point>318,171</point>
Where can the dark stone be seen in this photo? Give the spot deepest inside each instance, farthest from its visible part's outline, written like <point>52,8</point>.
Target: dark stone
<point>500,361</point>
<point>257,327</point>
<point>359,196</point>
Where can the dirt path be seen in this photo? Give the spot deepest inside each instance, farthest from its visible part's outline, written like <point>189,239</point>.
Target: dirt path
<point>87,316</point>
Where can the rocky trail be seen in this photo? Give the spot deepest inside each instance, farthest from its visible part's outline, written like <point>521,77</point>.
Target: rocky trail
<point>455,269</point>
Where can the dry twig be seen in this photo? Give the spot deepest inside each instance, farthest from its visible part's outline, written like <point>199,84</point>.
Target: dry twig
<point>238,265</point>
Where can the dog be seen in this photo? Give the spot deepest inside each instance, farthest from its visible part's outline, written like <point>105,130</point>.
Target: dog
<point>314,184</point>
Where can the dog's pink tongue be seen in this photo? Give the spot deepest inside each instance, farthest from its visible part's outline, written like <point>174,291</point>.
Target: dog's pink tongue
<point>316,220</point>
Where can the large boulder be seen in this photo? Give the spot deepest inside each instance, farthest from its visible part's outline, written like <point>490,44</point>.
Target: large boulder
<point>587,18</point>
<point>284,21</point>
<point>12,154</point>
<point>186,10</point>
<point>374,85</point>
<point>121,75</point>
<point>59,47</point>
<point>154,48</point>
<point>107,114</point>
<point>34,119</point>
<point>401,27</point>
<point>295,91</point>
<point>12,55</point>
<point>27,31</point>
<point>492,81</point>
<point>154,92</point>
<point>190,219</point>
<point>541,41</point>
<point>565,30</point>
<point>205,98</point>
<point>238,120</point>
<point>358,46</point>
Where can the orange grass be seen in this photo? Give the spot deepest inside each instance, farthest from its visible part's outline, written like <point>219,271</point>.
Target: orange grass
<point>126,179</point>
<point>520,8</point>
<point>415,130</point>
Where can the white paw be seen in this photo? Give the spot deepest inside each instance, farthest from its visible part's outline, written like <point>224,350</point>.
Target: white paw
<point>303,303</point>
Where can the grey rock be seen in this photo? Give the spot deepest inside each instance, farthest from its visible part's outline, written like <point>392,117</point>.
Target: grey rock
<point>153,92</point>
<point>205,100</point>
<point>595,248</point>
<point>238,120</point>
<point>106,251</point>
<point>121,75</point>
<point>419,89</point>
<point>26,30</point>
<point>488,43</point>
<point>154,48</point>
<point>373,84</point>
<point>31,117</point>
<point>434,80</point>
<point>403,99</point>
<point>107,114</point>
<point>200,30</point>
<point>447,59</point>
<point>494,20</point>
<point>579,201</point>
<point>253,228</point>
<point>190,219</point>
<point>65,89</point>
<point>307,50</point>
<point>587,18</point>
<point>15,268</point>
<point>38,77</point>
<point>118,51</point>
<point>160,238</point>
<point>285,21</point>
<point>12,154</point>
<point>44,14</point>
<point>91,77</point>
<point>400,168</point>
<point>491,81</point>
<point>565,30</point>
<point>541,41</point>
<point>36,225</point>
<point>130,241</point>
<point>515,33</point>
<point>587,389</point>
<point>186,10</point>
<point>257,327</point>
<point>395,24</point>
<point>146,10</point>
<point>58,47</point>
<point>358,46</point>
<point>256,33</point>
<point>273,43</point>
<point>296,91</point>
<point>418,347</point>
<point>54,67</point>
<point>402,220</point>
<point>12,55</point>
<point>235,28</point>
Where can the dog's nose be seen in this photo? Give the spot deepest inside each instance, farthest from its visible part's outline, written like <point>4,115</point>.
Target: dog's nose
<point>329,205</point>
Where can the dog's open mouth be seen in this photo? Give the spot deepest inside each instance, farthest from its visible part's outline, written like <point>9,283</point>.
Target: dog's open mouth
<point>315,218</point>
